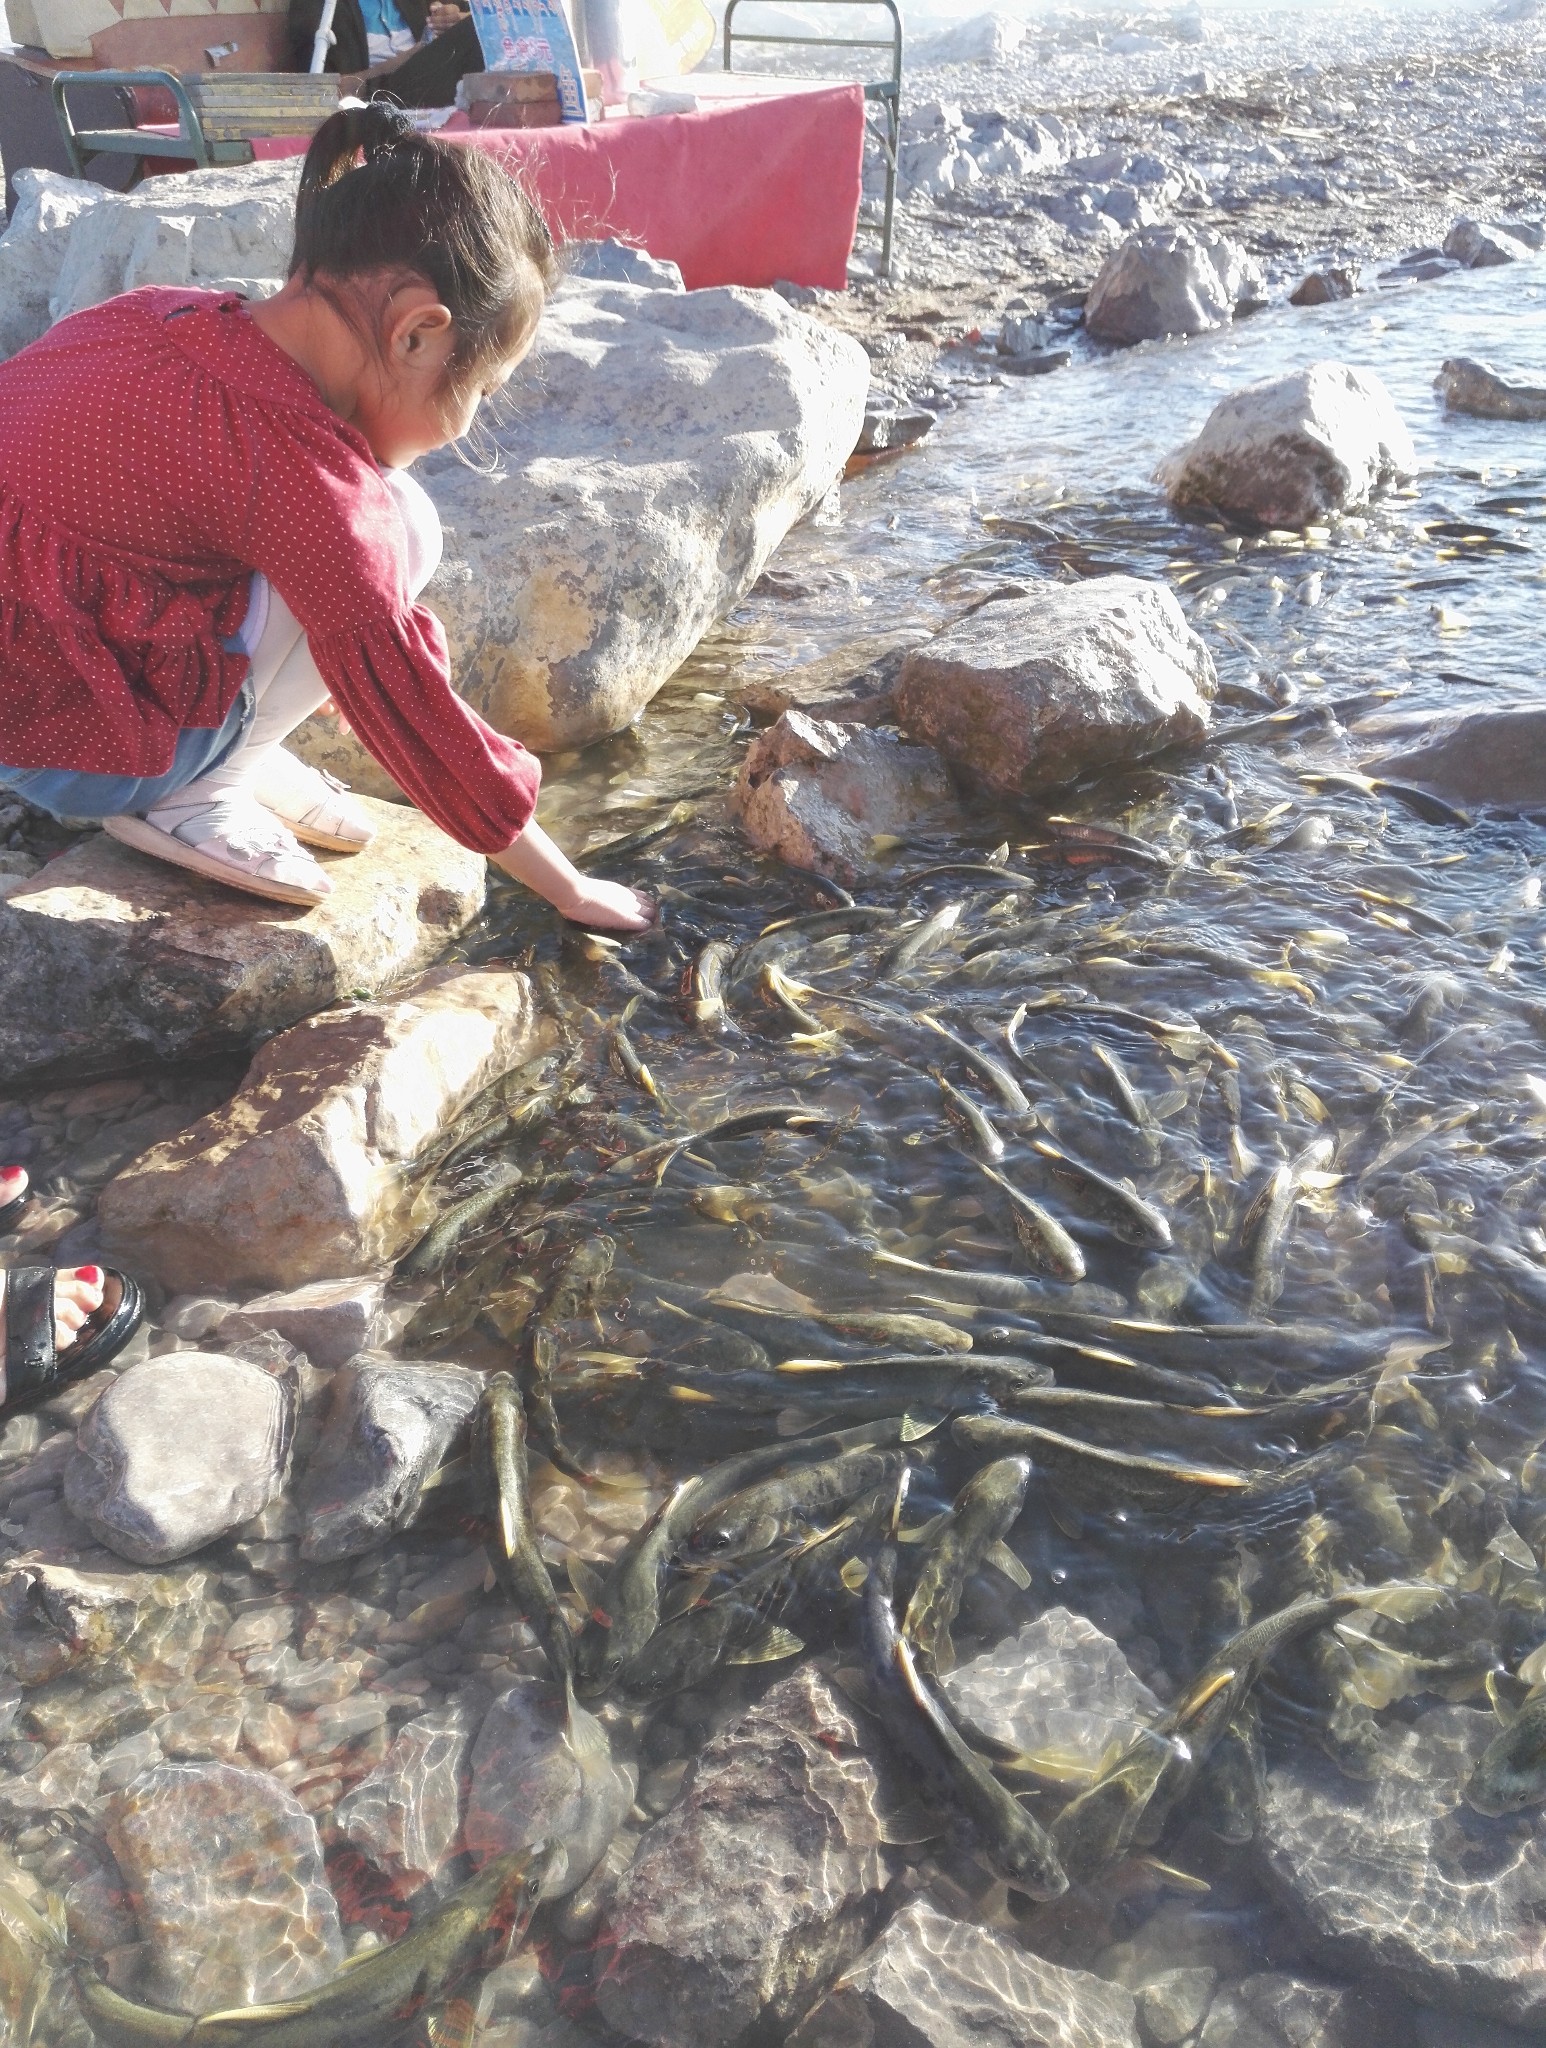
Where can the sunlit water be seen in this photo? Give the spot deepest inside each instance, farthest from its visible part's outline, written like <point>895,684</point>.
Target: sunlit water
<point>1277,941</point>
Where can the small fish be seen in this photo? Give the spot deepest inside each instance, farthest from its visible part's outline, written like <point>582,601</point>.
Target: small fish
<point>625,1054</point>
<point>1511,1773</point>
<point>921,941</point>
<point>1043,1239</point>
<point>762,1515</point>
<point>1266,1221</point>
<point>990,1146</point>
<point>1016,1845</point>
<point>771,1116</point>
<point>504,1499</point>
<point>986,1066</point>
<point>1116,1474</point>
<point>997,1290</point>
<point>985,1510</point>
<point>1128,1100</point>
<point>786,994</point>
<point>374,1999</point>
<point>1114,1202</point>
<point>706,1004</point>
<point>572,1291</point>
<point>734,1627</point>
<point>452,1225</point>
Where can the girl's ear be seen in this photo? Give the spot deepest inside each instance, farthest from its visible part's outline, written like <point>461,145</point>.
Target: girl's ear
<point>419,333</point>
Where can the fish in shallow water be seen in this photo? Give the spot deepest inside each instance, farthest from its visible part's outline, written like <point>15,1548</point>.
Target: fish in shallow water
<point>1113,1202</point>
<point>1266,1221</point>
<point>374,1999</point>
<point>1012,1840</point>
<point>1043,1239</point>
<point>762,1515</point>
<point>985,1510</point>
<point>504,1499</point>
<point>446,1233</point>
<point>1511,1774</point>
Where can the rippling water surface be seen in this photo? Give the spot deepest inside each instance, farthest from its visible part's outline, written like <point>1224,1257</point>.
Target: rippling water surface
<point>1291,986</point>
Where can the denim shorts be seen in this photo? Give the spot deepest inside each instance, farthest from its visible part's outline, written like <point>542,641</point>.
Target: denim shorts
<point>71,793</point>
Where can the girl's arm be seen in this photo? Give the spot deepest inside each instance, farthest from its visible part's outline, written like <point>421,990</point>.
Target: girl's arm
<point>532,858</point>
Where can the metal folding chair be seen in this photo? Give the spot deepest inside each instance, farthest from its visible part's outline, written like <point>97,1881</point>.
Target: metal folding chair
<point>885,94</point>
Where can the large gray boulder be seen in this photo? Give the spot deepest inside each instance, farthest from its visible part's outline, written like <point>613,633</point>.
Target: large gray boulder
<point>390,1424</point>
<point>1484,245</point>
<point>1030,692</point>
<point>302,1174</point>
<point>1167,280</point>
<point>662,447</point>
<point>33,249</point>
<point>180,1450</point>
<point>1290,450</point>
<point>1465,385</point>
<point>1400,1877</point>
<point>758,1886</point>
<point>108,959</point>
<point>933,1982</point>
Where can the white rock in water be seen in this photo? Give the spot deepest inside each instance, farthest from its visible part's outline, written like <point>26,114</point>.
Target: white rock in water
<point>539,1773</point>
<point>1060,1688</point>
<point>330,1320</point>
<point>1399,1877</point>
<point>1030,692</point>
<point>406,1815</point>
<point>1289,450</point>
<point>817,792</point>
<point>984,39</point>
<point>225,1868</point>
<point>301,1174</point>
<point>674,439</point>
<point>933,1982</point>
<point>1170,280</point>
<point>390,1424</point>
<point>108,956</point>
<point>178,1451</point>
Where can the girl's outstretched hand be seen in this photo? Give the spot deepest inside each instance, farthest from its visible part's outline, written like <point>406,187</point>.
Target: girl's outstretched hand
<point>608,906</point>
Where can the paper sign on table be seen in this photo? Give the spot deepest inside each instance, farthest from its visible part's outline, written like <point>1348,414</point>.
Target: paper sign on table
<point>532,35</point>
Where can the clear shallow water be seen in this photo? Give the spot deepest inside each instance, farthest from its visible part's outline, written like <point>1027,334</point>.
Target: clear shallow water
<point>1319,968</point>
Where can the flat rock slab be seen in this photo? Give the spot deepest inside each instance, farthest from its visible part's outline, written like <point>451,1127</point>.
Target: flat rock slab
<point>816,792</point>
<point>1170,280</point>
<point>180,1450</point>
<point>758,1886</point>
<point>389,1425</point>
<point>301,1175</point>
<point>1468,386</point>
<point>406,1815</point>
<point>1287,451</point>
<point>1400,1877</point>
<point>108,958</point>
<point>542,1773</point>
<point>1031,692</point>
<point>676,439</point>
<point>933,1982</point>
<point>1059,1688</point>
<point>330,1320</point>
<point>1491,758</point>
<point>224,1870</point>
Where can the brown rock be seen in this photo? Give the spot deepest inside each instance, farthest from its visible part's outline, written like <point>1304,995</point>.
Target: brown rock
<point>300,1176</point>
<point>757,1887</point>
<point>1029,692</point>
<point>107,958</point>
<point>1322,287</point>
<point>815,792</point>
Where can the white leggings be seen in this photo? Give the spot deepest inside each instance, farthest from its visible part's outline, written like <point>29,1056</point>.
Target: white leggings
<point>285,678</point>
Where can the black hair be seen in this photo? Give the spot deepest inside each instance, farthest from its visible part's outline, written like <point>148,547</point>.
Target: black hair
<point>376,196</point>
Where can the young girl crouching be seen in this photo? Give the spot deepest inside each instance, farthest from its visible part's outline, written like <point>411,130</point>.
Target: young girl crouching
<point>208,532</point>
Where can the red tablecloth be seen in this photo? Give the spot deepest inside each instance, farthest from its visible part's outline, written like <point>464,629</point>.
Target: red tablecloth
<point>744,192</point>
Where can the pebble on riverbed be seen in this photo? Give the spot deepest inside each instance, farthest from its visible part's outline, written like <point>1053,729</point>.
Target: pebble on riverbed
<point>390,1423</point>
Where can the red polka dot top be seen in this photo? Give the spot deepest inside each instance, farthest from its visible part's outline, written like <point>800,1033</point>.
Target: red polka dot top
<point>154,451</point>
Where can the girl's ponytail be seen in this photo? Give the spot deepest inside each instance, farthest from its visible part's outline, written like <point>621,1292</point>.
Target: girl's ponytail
<point>376,196</point>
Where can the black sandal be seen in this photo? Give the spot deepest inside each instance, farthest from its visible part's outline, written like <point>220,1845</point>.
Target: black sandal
<point>34,1370</point>
<point>11,1213</point>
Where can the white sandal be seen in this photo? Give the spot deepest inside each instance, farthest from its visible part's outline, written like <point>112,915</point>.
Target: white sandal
<point>316,806</point>
<point>235,840</point>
